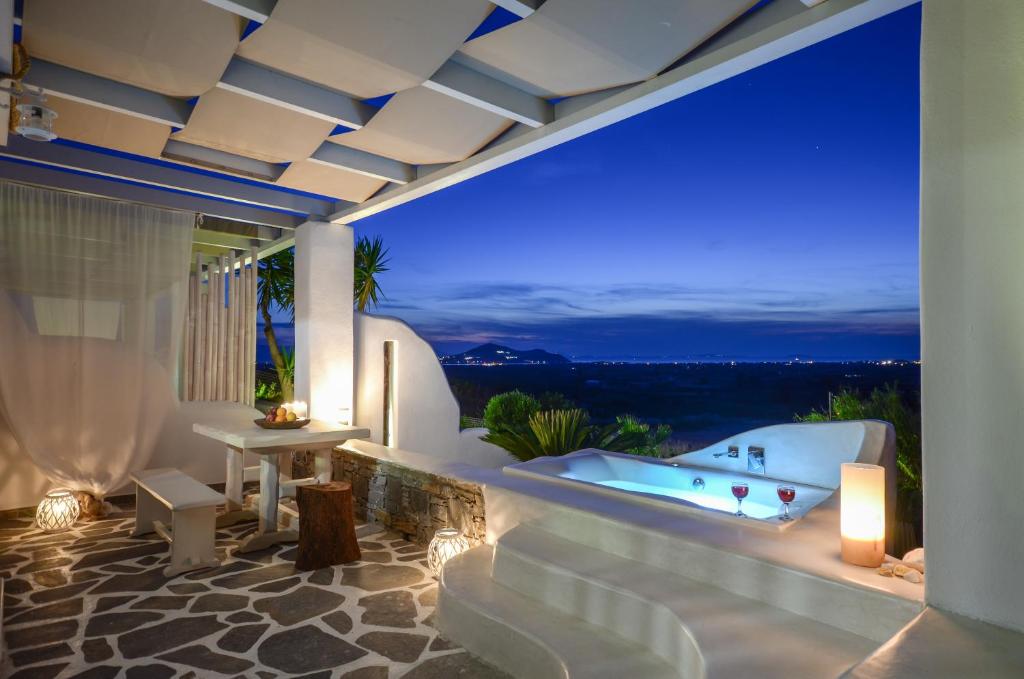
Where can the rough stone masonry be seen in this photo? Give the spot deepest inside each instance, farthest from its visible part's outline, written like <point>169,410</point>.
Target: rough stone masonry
<point>410,501</point>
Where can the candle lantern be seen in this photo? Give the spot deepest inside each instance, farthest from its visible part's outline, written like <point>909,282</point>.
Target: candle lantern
<point>58,511</point>
<point>447,542</point>
<point>862,514</point>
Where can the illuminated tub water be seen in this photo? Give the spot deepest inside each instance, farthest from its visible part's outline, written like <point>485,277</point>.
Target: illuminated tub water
<point>684,487</point>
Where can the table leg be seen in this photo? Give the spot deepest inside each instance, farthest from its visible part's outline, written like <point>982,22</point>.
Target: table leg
<point>322,469</point>
<point>235,513</point>
<point>270,492</point>
<point>268,532</point>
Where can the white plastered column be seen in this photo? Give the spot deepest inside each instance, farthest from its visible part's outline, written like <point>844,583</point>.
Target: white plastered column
<point>972,306</point>
<point>324,269</point>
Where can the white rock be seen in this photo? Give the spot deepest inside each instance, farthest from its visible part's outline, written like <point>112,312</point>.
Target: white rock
<point>913,576</point>
<point>915,559</point>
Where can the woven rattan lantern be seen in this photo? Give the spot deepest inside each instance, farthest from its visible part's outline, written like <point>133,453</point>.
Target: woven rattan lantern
<point>58,511</point>
<point>447,542</point>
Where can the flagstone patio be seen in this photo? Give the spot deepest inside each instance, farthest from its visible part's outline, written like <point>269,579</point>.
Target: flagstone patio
<point>93,602</point>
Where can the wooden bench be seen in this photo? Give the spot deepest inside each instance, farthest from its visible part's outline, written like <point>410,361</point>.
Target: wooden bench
<point>165,496</point>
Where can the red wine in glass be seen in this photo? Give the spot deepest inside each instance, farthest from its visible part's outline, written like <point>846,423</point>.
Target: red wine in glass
<point>740,491</point>
<point>787,494</point>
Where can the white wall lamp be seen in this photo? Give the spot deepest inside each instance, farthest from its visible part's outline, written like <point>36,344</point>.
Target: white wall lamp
<point>33,119</point>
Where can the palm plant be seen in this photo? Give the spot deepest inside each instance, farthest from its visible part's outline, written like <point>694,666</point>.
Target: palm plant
<point>276,287</point>
<point>371,260</point>
<point>557,432</point>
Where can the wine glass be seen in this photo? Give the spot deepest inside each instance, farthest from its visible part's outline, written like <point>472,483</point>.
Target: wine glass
<point>740,491</point>
<point>787,494</point>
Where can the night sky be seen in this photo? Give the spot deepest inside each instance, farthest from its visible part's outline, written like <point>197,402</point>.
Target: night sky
<point>770,216</point>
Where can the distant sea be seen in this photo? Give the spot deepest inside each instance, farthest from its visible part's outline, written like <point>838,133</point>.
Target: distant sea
<point>702,402</point>
<point>704,399</point>
<point>285,334</point>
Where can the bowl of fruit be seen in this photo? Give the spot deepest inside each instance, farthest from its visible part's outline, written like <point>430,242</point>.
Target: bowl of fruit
<point>284,416</point>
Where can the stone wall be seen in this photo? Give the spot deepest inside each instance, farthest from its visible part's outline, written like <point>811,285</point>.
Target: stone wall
<point>412,502</point>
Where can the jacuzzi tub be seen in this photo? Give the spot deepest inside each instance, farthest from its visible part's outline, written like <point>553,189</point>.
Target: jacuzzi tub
<point>673,484</point>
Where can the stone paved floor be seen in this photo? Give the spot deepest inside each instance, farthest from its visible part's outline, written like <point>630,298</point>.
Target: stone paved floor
<point>93,602</point>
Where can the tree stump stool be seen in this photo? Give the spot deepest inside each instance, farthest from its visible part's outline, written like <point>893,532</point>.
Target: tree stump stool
<point>327,531</point>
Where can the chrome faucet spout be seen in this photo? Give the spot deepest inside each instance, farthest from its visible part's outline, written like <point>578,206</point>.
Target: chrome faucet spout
<point>734,451</point>
<point>755,460</point>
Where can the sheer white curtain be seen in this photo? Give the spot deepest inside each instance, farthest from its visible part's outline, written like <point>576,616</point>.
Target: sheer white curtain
<point>92,296</point>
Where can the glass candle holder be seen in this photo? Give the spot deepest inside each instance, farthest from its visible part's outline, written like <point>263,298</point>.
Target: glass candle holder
<point>447,542</point>
<point>58,511</point>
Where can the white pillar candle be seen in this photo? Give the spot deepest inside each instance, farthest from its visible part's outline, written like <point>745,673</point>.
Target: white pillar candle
<point>862,514</point>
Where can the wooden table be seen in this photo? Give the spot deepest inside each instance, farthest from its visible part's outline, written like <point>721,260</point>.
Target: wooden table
<point>273,446</point>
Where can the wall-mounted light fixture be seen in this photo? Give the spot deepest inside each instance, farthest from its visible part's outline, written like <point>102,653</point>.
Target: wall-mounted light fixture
<point>862,514</point>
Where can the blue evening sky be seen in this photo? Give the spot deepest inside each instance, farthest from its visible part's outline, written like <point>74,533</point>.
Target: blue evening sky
<point>769,216</point>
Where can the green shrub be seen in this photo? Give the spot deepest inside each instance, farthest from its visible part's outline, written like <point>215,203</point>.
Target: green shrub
<point>652,440</point>
<point>888,404</point>
<point>267,391</point>
<point>510,411</point>
<point>553,400</point>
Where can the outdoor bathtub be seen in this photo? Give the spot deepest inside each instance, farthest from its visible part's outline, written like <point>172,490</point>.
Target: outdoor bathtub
<point>805,456</point>
<point>673,484</point>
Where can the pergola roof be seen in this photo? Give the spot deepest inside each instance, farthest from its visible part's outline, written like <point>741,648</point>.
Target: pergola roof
<point>358,105</point>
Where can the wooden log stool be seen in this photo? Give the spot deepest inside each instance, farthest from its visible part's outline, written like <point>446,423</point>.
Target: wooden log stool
<point>327,530</point>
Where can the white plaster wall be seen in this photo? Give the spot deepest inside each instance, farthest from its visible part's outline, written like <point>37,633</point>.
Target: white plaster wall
<point>426,415</point>
<point>972,305</point>
<point>200,457</point>
<point>324,270</point>
<point>21,482</point>
<point>811,453</point>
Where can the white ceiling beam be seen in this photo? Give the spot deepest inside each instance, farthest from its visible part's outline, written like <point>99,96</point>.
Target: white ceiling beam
<point>255,10</point>
<point>250,80</point>
<point>361,162</point>
<point>162,176</point>
<point>221,161</point>
<point>523,8</point>
<point>483,91</point>
<point>97,185</point>
<point>733,57</point>
<point>109,94</point>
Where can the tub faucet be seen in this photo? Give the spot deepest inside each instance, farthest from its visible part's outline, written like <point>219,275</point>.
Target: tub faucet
<point>734,451</point>
<point>755,460</point>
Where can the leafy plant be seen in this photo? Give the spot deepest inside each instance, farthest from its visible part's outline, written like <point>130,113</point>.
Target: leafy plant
<point>553,400</point>
<point>557,432</point>
<point>289,364</point>
<point>510,411</point>
<point>276,287</point>
<point>887,404</point>
<point>267,391</point>
<point>371,260</point>
<point>652,440</point>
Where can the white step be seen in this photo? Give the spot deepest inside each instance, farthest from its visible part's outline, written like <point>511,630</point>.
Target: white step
<point>870,613</point>
<point>527,639</point>
<point>700,629</point>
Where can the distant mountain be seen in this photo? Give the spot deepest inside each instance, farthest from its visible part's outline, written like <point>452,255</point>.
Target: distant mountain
<point>495,354</point>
